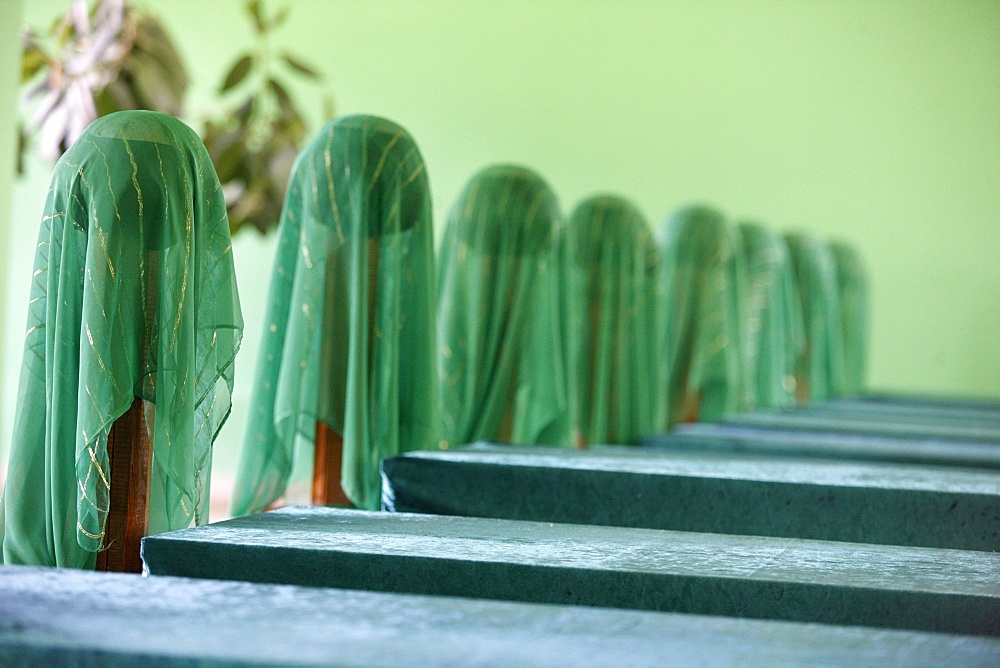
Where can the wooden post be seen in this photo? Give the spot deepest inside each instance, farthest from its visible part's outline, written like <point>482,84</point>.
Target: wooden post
<point>328,458</point>
<point>692,407</point>
<point>327,465</point>
<point>129,458</point>
<point>506,427</point>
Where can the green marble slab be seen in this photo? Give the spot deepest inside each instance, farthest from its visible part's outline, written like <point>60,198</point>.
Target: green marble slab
<point>914,416</point>
<point>792,419</point>
<point>921,589</point>
<point>971,414</point>
<point>65,617</point>
<point>930,401</point>
<point>862,502</point>
<point>772,442</point>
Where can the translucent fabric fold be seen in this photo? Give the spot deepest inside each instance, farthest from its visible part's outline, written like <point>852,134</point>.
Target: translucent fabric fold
<point>820,371</point>
<point>852,284</point>
<point>501,364</point>
<point>349,330</point>
<point>615,323</point>
<point>702,277</point>
<point>773,325</point>
<point>133,295</point>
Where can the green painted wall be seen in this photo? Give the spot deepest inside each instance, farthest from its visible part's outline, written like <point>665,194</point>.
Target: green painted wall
<point>10,73</point>
<point>874,121</point>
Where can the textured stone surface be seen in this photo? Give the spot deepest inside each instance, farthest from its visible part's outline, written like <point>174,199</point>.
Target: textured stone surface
<point>774,442</point>
<point>916,413</point>
<point>50,616</point>
<point>862,502</point>
<point>888,426</point>
<point>922,589</point>
<point>928,401</point>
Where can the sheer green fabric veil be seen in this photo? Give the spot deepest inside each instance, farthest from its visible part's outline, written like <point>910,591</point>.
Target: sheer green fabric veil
<point>133,295</point>
<point>852,283</point>
<point>501,364</point>
<point>773,316</point>
<point>349,332</point>
<point>704,347</point>
<point>615,323</point>
<point>821,372</point>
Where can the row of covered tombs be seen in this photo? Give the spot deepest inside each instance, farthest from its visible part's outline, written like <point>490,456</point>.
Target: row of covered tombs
<point>546,333</point>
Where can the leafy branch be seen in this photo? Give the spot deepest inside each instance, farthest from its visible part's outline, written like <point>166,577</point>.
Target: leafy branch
<point>91,63</point>
<point>254,142</point>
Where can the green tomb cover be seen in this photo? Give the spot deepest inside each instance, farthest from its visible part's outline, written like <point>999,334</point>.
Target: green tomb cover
<point>860,406</point>
<point>773,317</point>
<point>932,402</point>
<point>49,617</point>
<point>821,371</point>
<point>852,283</point>
<point>133,295</point>
<point>797,419</point>
<point>703,274</point>
<point>348,336</point>
<point>920,588</point>
<point>501,363</point>
<point>765,441</point>
<point>615,324</point>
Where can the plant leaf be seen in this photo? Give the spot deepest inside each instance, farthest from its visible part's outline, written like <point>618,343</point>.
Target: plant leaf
<point>253,8</point>
<point>32,62</point>
<point>299,66</point>
<point>150,84</point>
<point>115,97</point>
<point>279,18</point>
<point>245,110</point>
<point>61,30</point>
<point>281,93</point>
<point>22,148</point>
<point>151,38</point>
<point>238,73</point>
<point>227,164</point>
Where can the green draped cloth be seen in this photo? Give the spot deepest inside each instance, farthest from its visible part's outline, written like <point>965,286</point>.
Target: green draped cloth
<point>773,324</point>
<point>615,323</point>
<point>349,330</point>
<point>501,363</point>
<point>133,295</point>
<point>820,371</point>
<point>852,283</point>
<point>703,275</point>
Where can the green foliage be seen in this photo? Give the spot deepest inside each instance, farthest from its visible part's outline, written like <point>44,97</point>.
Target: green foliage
<point>151,77</point>
<point>255,140</point>
<point>112,57</point>
<point>93,62</point>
